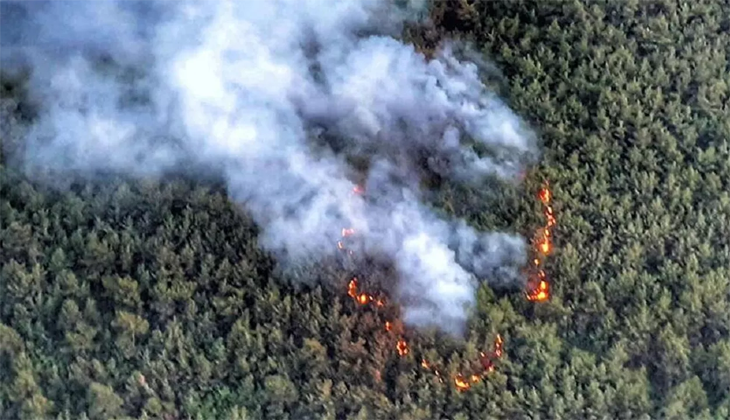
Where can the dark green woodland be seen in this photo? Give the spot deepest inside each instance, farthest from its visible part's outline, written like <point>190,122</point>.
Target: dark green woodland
<point>151,299</point>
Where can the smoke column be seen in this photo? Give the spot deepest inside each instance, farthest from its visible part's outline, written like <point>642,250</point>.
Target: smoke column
<point>243,89</point>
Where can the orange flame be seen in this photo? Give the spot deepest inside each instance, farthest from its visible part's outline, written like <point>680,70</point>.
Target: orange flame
<point>425,364</point>
<point>388,326</point>
<point>475,378</point>
<point>550,216</point>
<point>498,342</point>
<point>544,245</point>
<point>544,195</point>
<point>402,347</point>
<point>364,298</point>
<point>461,384</point>
<point>541,293</point>
<point>352,288</point>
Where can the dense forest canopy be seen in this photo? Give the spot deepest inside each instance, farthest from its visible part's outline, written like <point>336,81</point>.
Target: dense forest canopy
<point>153,299</point>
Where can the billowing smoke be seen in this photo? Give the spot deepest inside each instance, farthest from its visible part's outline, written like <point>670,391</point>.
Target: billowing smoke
<point>279,97</point>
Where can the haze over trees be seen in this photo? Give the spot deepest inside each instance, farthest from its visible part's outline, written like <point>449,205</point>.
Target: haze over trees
<point>152,299</point>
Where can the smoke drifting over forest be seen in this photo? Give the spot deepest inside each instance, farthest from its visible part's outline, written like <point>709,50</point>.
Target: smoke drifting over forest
<point>277,97</point>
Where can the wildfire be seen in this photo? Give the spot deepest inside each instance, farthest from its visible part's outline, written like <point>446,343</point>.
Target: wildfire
<point>461,384</point>
<point>538,288</point>
<point>544,245</point>
<point>462,380</point>
<point>541,293</point>
<point>352,288</point>
<point>545,195</point>
<point>549,216</point>
<point>402,347</point>
<point>359,190</point>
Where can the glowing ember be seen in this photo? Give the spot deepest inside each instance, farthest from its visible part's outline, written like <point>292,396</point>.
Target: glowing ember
<point>402,347</point>
<point>357,189</point>
<point>544,195</point>
<point>549,216</point>
<point>461,384</point>
<point>538,288</point>
<point>544,245</point>
<point>462,380</point>
<point>352,288</point>
<point>541,292</point>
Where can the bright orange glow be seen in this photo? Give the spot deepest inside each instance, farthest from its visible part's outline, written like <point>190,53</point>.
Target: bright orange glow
<point>352,288</point>
<point>425,364</point>
<point>402,347</point>
<point>474,378</point>
<point>536,261</point>
<point>347,232</point>
<point>357,189</point>
<point>461,384</point>
<point>551,221</point>
<point>388,326</point>
<point>498,342</point>
<point>364,298</point>
<point>541,293</point>
<point>544,195</point>
<point>544,245</point>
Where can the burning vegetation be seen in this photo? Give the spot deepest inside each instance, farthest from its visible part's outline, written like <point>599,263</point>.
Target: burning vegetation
<point>462,381</point>
<point>538,287</point>
<point>538,290</point>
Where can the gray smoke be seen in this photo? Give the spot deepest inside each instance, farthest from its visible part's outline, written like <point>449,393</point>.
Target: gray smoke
<point>249,89</point>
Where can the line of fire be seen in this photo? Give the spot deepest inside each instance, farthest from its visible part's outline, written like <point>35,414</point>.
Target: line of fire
<point>538,287</point>
<point>537,290</point>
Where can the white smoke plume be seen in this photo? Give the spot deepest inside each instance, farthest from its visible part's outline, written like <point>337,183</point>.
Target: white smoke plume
<point>244,88</point>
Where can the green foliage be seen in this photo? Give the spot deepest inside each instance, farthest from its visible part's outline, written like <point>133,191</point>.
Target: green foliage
<point>153,300</point>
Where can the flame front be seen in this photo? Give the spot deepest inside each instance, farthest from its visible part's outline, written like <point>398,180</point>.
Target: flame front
<point>461,384</point>
<point>402,347</point>
<point>541,293</point>
<point>545,195</point>
<point>352,288</point>
<point>462,381</point>
<point>538,288</point>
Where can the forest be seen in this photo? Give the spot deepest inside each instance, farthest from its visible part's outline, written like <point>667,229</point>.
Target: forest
<point>152,299</point>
